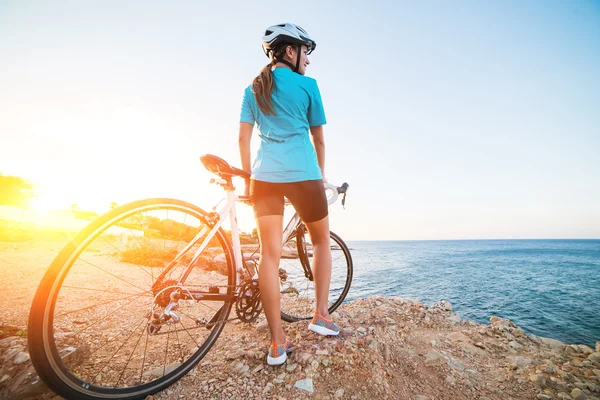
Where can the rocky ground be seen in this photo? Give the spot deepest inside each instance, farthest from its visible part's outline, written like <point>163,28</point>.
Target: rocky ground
<point>390,348</point>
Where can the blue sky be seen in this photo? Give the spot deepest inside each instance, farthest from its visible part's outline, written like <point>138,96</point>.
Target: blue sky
<point>450,120</point>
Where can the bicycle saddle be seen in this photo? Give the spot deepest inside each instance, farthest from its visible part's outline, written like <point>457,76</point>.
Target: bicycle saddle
<point>218,166</point>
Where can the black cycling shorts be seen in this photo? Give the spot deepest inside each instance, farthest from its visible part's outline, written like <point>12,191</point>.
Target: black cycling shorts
<point>307,197</point>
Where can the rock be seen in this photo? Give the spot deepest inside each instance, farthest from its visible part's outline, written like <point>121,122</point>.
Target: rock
<point>577,394</point>
<point>543,397</point>
<point>433,357</point>
<point>291,367</point>
<point>514,345</point>
<point>304,357</point>
<point>563,396</point>
<point>387,353</point>
<point>518,332</point>
<point>455,319</point>
<point>338,394</point>
<point>262,325</point>
<point>13,352</point>
<point>585,349</point>
<point>594,357</point>
<point>419,397</point>
<point>21,358</point>
<point>239,366</point>
<point>322,352</point>
<point>598,347</point>
<point>561,373</point>
<point>520,361</point>
<point>4,378</point>
<point>596,372</point>
<point>535,339</point>
<point>552,343</point>
<point>538,379</point>
<point>305,384</point>
<point>373,344</point>
<point>160,371</point>
<point>442,305</point>
<point>258,368</point>
<point>234,355</point>
<point>456,365</point>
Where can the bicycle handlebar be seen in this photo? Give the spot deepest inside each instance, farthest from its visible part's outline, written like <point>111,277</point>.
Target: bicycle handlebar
<point>335,191</point>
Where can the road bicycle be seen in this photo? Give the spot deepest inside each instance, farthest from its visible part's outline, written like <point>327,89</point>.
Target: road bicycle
<point>140,295</point>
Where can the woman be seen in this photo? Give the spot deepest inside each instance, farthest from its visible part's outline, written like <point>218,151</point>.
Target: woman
<point>287,108</point>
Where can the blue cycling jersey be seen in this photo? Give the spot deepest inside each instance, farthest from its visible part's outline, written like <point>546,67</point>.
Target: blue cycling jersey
<point>286,153</point>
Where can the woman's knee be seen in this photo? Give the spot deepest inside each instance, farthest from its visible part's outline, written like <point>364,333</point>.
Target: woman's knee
<point>270,256</point>
<point>319,232</point>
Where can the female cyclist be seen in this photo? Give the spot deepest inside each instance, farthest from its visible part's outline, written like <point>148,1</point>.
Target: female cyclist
<point>286,106</point>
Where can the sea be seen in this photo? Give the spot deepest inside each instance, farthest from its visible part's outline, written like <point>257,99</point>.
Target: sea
<point>549,288</point>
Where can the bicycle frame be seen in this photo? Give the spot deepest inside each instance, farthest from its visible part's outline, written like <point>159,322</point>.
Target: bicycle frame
<point>217,218</point>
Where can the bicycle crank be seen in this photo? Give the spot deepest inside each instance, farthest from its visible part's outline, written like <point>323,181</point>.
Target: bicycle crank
<point>248,305</point>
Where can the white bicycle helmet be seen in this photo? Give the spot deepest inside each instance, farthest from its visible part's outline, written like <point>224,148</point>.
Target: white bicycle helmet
<point>288,34</point>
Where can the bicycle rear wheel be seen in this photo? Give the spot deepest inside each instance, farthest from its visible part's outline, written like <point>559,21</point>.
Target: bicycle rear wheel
<point>296,280</point>
<point>113,316</point>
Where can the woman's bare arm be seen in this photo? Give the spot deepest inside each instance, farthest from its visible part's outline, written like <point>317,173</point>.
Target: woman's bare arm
<point>319,144</point>
<point>244,143</point>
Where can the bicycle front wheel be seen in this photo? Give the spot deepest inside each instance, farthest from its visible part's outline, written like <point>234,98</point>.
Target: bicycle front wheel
<point>297,281</point>
<point>118,316</point>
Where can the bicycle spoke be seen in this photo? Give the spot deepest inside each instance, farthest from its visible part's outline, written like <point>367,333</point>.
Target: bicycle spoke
<point>111,274</point>
<point>144,356</point>
<point>115,353</point>
<point>102,346</point>
<point>98,319</point>
<point>130,357</point>
<point>120,252</point>
<point>179,343</point>
<point>102,304</point>
<point>187,330</point>
<point>166,352</point>
<point>97,290</point>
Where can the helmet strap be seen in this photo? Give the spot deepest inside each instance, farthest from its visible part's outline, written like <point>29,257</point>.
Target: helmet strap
<point>298,58</point>
<point>289,64</point>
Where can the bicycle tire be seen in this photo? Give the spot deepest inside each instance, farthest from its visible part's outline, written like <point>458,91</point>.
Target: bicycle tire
<point>299,304</point>
<point>71,376</point>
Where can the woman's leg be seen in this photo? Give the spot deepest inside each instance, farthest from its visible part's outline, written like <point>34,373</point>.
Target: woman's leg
<point>270,228</point>
<point>321,268</point>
